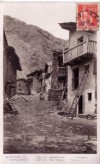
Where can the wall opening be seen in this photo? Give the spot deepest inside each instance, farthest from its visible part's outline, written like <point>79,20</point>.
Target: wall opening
<point>89,96</point>
<point>61,82</point>
<point>80,106</point>
<point>60,61</point>
<point>80,40</point>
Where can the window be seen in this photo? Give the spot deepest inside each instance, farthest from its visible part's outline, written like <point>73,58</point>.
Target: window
<point>80,40</point>
<point>75,78</point>
<point>89,96</point>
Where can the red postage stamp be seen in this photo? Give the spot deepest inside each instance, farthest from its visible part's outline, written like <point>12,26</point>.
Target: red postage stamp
<point>87,16</point>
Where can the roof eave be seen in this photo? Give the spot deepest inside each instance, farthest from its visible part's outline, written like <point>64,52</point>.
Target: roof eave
<point>70,26</point>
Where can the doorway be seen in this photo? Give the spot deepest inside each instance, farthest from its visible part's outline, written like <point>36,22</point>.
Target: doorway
<point>60,61</point>
<point>80,106</point>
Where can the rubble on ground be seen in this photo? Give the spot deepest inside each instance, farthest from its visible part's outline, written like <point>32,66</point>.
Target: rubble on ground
<point>9,106</point>
<point>18,96</point>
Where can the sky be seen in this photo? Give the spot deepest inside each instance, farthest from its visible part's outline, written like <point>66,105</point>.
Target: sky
<point>46,15</point>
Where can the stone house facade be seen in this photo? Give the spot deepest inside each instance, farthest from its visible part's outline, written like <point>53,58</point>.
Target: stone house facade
<point>11,64</point>
<point>58,76</point>
<point>80,56</point>
<point>35,81</point>
<point>48,72</point>
<point>22,87</point>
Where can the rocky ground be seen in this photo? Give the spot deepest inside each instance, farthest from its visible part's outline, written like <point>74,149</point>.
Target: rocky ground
<point>37,128</point>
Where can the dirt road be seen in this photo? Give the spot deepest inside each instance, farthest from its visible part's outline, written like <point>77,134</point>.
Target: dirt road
<point>39,129</point>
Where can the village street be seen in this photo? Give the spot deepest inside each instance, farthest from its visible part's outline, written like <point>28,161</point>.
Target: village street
<point>39,129</point>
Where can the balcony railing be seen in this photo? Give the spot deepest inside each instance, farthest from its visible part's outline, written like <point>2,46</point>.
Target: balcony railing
<point>84,48</point>
<point>62,71</point>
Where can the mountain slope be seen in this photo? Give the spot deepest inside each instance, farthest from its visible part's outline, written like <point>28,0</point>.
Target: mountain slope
<point>33,45</point>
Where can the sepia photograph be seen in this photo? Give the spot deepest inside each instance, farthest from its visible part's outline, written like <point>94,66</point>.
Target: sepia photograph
<point>50,78</point>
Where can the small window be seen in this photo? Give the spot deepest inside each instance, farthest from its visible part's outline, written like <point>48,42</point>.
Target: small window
<point>80,40</point>
<point>89,96</point>
<point>19,85</point>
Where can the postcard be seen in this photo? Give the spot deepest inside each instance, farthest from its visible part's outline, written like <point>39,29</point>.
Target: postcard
<point>50,82</point>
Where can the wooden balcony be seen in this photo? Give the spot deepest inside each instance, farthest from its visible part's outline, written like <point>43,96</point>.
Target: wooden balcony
<point>62,72</point>
<point>80,52</point>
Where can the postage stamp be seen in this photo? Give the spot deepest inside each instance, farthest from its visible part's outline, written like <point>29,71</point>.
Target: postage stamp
<point>87,16</point>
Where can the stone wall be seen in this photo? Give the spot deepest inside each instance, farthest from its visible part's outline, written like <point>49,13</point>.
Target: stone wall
<point>57,84</point>
<point>54,75</point>
<point>22,87</point>
<point>35,85</point>
<point>9,75</point>
<point>54,94</point>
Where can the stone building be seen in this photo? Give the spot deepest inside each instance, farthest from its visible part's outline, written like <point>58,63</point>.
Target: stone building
<point>35,81</point>
<point>48,72</point>
<point>80,58</point>
<point>11,64</point>
<point>22,87</point>
<point>58,76</point>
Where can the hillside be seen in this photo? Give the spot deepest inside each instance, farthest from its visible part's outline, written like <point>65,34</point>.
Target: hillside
<point>33,45</point>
